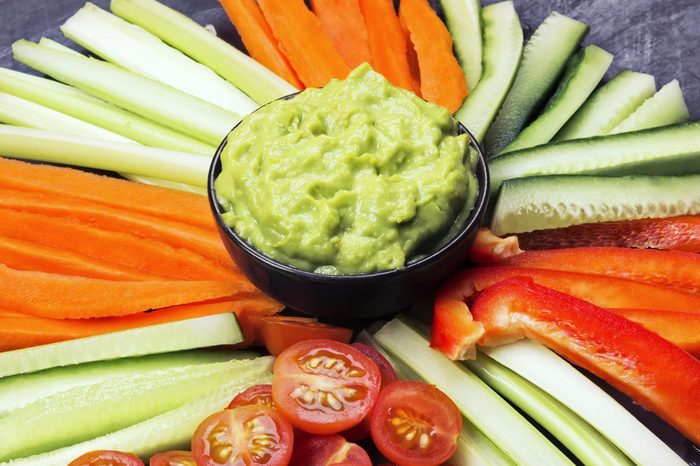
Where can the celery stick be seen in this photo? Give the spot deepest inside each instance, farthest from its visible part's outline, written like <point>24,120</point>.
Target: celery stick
<point>557,377</point>
<point>143,96</point>
<point>52,44</point>
<point>47,146</point>
<point>186,35</point>
<point>83,106</point>
<point>490,413</point>
<point>139,51</point>
<point>666,107</point>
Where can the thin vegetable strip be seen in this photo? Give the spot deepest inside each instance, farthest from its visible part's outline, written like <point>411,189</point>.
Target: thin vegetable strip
<point>343,22</point>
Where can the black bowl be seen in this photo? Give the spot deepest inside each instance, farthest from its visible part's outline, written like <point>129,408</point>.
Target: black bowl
<point>348,297</point>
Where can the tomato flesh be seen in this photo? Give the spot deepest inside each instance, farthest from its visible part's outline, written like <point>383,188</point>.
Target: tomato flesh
<point>252,435</point>
<point>324,387</point>
<point>106,458</point>
<point>328,450</point>
<point>280,332</point>
<point>414,424</point>
<point>173,458</point>
<point>255,395</point>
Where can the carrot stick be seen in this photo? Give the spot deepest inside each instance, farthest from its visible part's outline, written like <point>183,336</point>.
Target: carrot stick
<point>387,42</point>
<point>64,297</point>
<point>441,78</point>
<point>303,40</point>
<point>161,202</point>
<point>258,38</point>
<point>144,255</point>
<point>23,255</point>
<point>205,242</point>
<point>343,22</point>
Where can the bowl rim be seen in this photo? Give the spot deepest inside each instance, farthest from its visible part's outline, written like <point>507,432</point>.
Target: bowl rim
<point>480,205</point>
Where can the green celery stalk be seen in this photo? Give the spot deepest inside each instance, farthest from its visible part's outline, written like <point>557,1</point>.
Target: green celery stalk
<point>143,96</point>
<point>186,35</point>
<point>140,52</point>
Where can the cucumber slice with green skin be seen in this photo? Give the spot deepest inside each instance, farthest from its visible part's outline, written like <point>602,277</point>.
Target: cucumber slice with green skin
<point>582,75</point>
<point>546,202</point>
<point>20,390</point>
<point>202,332</point>
<point>490,413</point>
<point>666,107</point>
<point>658,151</point>
<point>545,57</point>
<point>171,430</point>
<point>463,19</point>
<point>89,411</point>
<point>609,105</point>
<point>503,47</point>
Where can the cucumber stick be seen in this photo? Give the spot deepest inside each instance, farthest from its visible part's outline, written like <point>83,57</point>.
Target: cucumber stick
<point>215,330</point>
<point>580,79</point>
<point>88,411</point>
<point>545,202</point>
<point>463,19</point>
<point>503,47</point>
<point>666,107</point>
<point>665,151</point>
<point>609,105</point>
<point>490,413</point>
<point>168,431</point>
<point>545,57</point>
<point>20,390</point>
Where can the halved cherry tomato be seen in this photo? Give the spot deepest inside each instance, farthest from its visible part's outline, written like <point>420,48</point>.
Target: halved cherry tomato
<point>414,423</point>
<point>251,435</point>
<point>173,458</point>
<point>106,458</point>
<point>328,450</point>
<point>281,332</point>
<point>255,395</point>
<point>324,387</point>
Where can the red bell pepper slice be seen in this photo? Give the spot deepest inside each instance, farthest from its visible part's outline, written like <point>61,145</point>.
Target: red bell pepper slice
<point>489,248</point>
<point>654,372</point>
<point>675,269</point>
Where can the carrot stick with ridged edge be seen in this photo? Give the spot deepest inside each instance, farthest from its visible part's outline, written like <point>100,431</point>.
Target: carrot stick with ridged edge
<point>258,38</point>
<point>144,255</point>
<point>304,42</point>
<point>161,202</point>
<point>387,43</point>
<point>343,22</point>
<point>203,241</point>
<point>65,297</point>
<point>441,78</point>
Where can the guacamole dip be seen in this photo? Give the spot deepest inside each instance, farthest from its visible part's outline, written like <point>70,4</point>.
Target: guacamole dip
<point>351,178</point>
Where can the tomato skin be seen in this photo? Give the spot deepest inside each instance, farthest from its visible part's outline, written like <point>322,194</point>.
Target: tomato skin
<point>328,450</point>
<point>226,438</point>
<point>173,458</point>
<point>324,387</point>
<point>256,395</point>
<point>429,421</point>
<point>280,332</point>
<point>106,458</point>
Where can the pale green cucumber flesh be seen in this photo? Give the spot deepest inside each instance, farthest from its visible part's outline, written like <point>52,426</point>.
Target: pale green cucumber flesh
<point>609,105</point>
<point>580,79</point>
<point>168,431</point>
<point>665,151</point>
<point>20,390</point>
<point>546,202</point>
<point>202,332</point>
<point>545,57</point>
<point>463,19</point>
<point>86,412</point>
<point>503,47</point>
<point>666,107</point>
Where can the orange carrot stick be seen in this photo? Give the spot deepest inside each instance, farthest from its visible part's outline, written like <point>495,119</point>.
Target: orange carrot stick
<point>66,297</point>
<point>387,42</point>
<point>441,78</point>
<point>258,38</point>
<point>161,202</point>
<point>303,40</point>
<point>343,22</point>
